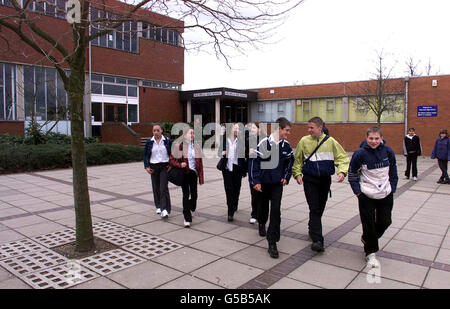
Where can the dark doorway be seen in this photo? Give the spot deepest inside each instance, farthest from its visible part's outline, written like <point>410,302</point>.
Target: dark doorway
<point>115,112</point>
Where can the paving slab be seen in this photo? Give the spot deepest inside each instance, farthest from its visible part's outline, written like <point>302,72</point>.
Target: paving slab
<point>146,275</point>
<point>323,275</point>
<point>288,283</point>
<point>437,279</point>
<point>186,259</point>
<point>189,282</point>
<point>220,246</point>
<point>226,273</point>
<point>362,281</point>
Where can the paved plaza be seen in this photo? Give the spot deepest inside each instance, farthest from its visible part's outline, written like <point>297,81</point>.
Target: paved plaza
<point>36,215</point>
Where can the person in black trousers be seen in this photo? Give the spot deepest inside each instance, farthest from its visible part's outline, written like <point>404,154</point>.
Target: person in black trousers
<point>411,149</point>
<point>188,155</point>
<point>269,172</point>
<point>156,161</point>
<point>233,148</point>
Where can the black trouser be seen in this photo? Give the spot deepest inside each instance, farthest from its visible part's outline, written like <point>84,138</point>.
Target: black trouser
<point>160,186</point>
<point>316,192</point>
<point>232,182</point>
<point>256,201</point>
<point>443,166</point>
<point>271,193</point>
<point>189,188</point>
<point>411,159</point>
<point>376,216</point>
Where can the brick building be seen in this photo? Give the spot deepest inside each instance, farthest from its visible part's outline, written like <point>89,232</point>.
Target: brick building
<point>135,72</point>
<point>424,100</point>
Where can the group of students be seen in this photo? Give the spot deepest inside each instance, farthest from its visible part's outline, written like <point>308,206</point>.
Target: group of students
<point>270,162</point>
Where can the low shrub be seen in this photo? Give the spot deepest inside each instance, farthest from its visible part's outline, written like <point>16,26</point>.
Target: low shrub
<point>23,157</point>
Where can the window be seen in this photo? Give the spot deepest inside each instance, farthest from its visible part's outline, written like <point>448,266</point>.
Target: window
<point>44,94</point>
<point>361,105</point>
<point>329,105</point>
<point>280,107</point>
<point>168,36</point>
<point>96,111</point>
<point>306,104</point>
<point>132,113</point>
<point>260,107</point>
<point>114,90</point>
<point>124,38</point>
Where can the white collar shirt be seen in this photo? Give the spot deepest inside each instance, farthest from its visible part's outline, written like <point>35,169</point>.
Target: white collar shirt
<point>232,153</point>
<point>159,151</point>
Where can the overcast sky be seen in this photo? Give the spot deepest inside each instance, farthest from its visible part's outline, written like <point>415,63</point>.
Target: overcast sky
<point>335,40</point>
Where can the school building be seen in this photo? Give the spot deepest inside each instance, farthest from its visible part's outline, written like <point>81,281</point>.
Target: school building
<point>134,77</point>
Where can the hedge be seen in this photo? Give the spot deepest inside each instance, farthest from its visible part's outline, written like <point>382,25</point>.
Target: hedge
<point>22,158</point>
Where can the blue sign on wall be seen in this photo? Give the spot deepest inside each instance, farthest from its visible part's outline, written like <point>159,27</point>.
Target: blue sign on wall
<point>427,111</point>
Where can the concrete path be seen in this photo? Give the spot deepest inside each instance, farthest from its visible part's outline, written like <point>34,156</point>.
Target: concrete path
<point>36,214</point>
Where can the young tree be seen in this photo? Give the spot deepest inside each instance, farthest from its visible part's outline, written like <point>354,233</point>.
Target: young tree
<point>226,26</point>
<point>380,94</point>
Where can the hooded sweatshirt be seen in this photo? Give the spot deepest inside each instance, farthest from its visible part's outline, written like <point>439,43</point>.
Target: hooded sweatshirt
<point>373,171</point>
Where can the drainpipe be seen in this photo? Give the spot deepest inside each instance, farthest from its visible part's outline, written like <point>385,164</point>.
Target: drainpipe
<point>406,103</point>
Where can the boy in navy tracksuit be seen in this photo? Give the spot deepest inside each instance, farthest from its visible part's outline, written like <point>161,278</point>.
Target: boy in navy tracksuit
<point>269,172</point>
<point>411,149</point>
<point>373,178</point>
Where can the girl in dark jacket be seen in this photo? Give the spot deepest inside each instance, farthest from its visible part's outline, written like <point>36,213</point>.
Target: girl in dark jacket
<point>441,151</point>
<point>188,155</point>
<point>156,161</point>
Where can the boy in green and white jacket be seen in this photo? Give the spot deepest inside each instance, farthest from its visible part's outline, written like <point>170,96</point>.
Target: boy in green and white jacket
<point>315,175</point>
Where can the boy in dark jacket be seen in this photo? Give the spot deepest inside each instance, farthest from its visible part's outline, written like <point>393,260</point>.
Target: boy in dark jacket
<point>373,178</point>
<point>411,149</point>
<point>268,173</point>
<point>441,151</point>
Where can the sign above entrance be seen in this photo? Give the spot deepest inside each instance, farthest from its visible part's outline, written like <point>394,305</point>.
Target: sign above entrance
<point>236,94</point>
<point>207,94</point>
<point>427,111</point>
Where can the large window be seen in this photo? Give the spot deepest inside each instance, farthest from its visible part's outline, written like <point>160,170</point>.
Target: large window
<point>112,85</point>
<point>8,106</point>
<point>123,38</point>
<point>358,110</point>
<point>156,33</point>
<point>44,94</point>
<point>53,8</point>
<point>329,109</point>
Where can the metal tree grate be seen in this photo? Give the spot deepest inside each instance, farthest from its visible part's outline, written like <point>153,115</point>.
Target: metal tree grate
<point>56,239</point>
<point>19,247</point>
<point>60,277</point>
<point>151,247</point>
<point>36,261</point>
<point>111,261</point>
<point>117,234</point>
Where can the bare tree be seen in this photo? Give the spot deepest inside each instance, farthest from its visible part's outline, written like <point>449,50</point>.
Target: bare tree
<point>226,25</point>
<point>380,94</point>
<point>412,67</point>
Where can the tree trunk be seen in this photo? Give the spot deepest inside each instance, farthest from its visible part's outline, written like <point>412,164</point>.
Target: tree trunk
<point>84,233</point>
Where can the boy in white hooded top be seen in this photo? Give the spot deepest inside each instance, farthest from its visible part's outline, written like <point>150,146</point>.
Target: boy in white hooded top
<point>373,178</point>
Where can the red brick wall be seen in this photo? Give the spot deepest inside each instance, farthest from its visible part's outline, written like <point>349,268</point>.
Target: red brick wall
<point>422,93</point>
<point>12,127</point>
<point>157,105</point>
<point>143,129</point>
<point>117,132</point>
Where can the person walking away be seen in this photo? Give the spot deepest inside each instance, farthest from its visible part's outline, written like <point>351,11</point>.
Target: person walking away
<point>236,168</point>
<point>156,161</point>
<point>441,151</point>
<point>373,179</point>
<point>276,152</point>
<point>188,155</point>
<point>411,149</point>
<point>316,156</point>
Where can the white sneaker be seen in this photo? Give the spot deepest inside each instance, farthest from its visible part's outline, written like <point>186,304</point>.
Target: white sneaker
<point>164,214</point>
<point>187,224</point>
<point>372,261</point>
<point>252,220</point>
<point>415,178</point>
<point>158,210</point>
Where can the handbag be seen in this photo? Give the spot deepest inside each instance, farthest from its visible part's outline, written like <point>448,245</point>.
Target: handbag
<point>176,175</point>
<point>222,164</point>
